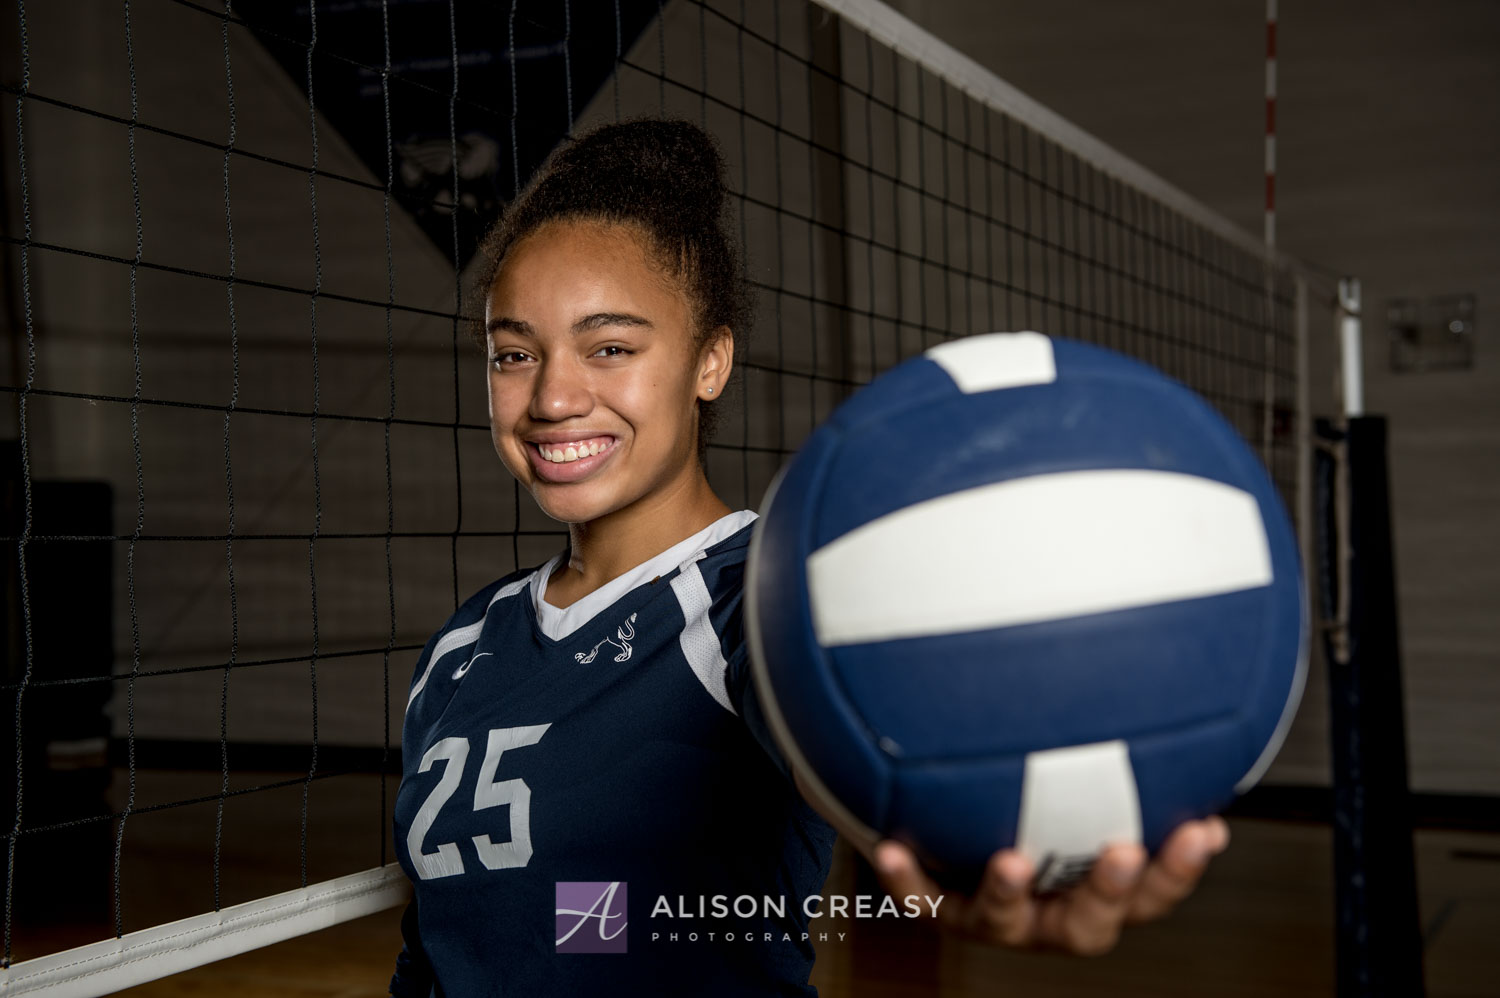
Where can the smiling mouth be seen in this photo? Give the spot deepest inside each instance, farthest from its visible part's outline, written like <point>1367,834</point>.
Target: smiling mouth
<point>573,450</point>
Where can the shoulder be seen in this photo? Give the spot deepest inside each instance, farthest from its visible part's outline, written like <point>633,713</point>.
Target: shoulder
<point>710,588</point>
<point>472,611</point>
<point>461,630</point>
<point>713,581</point>
<point>722,563</point>
<point>723,566</point>
<point>477,606</point>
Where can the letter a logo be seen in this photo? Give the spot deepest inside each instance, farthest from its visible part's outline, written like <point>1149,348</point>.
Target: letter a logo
<point>591,917</point>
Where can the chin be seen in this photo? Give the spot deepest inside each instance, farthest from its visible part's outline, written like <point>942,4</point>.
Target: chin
<point>577,507</point>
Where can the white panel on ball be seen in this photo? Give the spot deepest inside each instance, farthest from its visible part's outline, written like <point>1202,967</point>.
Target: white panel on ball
<point>996,360</point>
<point>1052,547</point>
<point>1075,801</point>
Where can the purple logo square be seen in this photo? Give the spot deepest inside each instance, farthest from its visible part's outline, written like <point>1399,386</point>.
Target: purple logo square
<point>591,916</point>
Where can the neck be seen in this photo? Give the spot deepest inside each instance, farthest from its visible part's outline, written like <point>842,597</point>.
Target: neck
<point>611,545</point>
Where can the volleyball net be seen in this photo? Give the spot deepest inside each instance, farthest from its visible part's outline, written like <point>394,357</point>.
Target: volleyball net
<point>249,471</point>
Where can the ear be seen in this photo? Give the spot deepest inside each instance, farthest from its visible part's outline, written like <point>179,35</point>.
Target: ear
<point>715,364</point>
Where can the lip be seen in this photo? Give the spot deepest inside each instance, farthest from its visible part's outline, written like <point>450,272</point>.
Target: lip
<point>572,471</point>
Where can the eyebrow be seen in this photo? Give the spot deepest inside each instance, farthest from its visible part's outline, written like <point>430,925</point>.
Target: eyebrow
<point>589,322</point>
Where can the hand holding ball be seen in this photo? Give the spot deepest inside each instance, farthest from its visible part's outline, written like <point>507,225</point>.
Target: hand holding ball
<point>1023,591</point>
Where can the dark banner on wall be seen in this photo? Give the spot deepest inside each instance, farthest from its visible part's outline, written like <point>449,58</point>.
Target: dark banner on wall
<point>525,70</point>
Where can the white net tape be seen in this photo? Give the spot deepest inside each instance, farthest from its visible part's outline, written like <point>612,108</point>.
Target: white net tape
<point>115,964</point>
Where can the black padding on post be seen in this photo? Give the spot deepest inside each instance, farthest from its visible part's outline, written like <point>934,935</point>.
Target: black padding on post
<point>1379,933</point>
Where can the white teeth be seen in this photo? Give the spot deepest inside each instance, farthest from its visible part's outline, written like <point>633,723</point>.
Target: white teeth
<point>571,452</point>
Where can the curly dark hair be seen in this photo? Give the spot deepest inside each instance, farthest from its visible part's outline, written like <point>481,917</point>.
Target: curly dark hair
<point>663,176</point>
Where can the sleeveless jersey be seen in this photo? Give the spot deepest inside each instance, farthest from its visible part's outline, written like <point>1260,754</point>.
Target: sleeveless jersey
<point>627,751</point>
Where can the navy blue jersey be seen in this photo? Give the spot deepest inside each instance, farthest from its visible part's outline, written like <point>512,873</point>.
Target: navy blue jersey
<point>629,751</point>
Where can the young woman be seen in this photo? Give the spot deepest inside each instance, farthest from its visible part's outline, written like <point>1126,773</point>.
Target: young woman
<point>590,721</point>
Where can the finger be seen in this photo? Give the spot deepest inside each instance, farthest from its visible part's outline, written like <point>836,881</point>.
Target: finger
<point>1176,870</point>
<point>1003,909</point>
<point>901,875</point>
<point>1221,833</point>
<point>1087,919</point>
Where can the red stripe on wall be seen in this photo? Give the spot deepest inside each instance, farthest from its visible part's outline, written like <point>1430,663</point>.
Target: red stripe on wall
<point>1270,115</point>
<point>1270,39</point>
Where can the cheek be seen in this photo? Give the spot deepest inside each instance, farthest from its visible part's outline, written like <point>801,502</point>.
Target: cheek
<point>506,402</point>
<point>654,395</point>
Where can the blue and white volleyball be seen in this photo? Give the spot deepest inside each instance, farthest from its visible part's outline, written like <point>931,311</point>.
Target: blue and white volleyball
<point>1025,591</point>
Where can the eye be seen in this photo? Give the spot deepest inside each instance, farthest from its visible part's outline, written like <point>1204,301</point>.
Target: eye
<point>613,346</point>
<point>506,356</point>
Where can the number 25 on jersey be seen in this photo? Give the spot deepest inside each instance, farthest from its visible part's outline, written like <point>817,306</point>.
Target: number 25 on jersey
<point>488,792</point>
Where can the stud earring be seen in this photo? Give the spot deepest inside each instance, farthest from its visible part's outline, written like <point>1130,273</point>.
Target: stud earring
<point>710,391</point>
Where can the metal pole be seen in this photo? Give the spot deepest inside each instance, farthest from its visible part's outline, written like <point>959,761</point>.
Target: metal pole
<point>1350,348</point>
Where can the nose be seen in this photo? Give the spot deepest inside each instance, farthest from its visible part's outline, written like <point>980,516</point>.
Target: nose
<point>560,391</point>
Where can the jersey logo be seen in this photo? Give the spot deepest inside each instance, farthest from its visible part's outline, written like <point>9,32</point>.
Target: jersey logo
<point>458,673</point>
<point>625,632</point>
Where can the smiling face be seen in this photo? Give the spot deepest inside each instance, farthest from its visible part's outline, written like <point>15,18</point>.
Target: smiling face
<point>594,375</point>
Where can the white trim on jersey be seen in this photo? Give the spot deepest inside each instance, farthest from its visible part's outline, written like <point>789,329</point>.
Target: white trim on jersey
<point>461,636</point>
<point>700,644</point>
<point>558,622</point>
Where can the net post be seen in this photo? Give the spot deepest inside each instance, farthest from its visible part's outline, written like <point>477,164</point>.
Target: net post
<point>1377,927</point>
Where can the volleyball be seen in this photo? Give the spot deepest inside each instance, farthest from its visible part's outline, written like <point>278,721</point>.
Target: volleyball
<point>1025,591</point>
